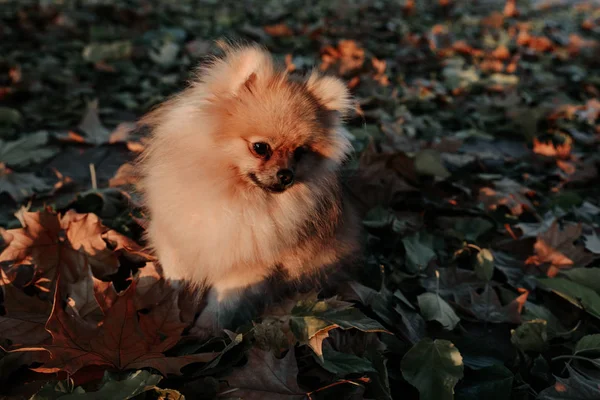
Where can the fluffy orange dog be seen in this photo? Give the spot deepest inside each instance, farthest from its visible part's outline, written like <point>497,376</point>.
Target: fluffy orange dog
<point>241,181</point>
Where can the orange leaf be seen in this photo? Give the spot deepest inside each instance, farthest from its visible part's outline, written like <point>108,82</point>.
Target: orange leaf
<point>548,149</point>
<point>555,249</point>
<point>501,53</point>
<point>316,342</point>
<point>279,30</point>
<point>510,8</point>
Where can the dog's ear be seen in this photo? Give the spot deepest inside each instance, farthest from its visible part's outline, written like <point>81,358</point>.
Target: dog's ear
<point>240,69</point>
<point>331,92</point>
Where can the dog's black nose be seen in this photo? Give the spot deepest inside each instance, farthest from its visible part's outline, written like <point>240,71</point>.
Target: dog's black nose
<point>285,176</point>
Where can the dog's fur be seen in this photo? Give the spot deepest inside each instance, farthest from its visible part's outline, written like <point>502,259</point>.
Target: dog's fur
<point>218,219</point>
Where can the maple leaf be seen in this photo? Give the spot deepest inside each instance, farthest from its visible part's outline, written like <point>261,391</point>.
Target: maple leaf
<point>487,306</point>
<point>555,248</point>
<point>124,339</point>
<point>69,244</point>
<point>508,193</point>
<point>24,317</point>
<point>265,377</point>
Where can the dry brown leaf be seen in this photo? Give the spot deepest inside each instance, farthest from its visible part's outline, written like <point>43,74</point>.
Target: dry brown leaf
<point>25,316</point>
<point>265,377</point>
<point>51,243</point>
<point>279,30</point>
<point>123,340</point>
<point>555,249</point>
<point>348,57</point>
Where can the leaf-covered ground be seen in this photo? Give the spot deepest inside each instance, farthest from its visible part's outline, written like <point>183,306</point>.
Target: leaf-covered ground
<point>477,136</point>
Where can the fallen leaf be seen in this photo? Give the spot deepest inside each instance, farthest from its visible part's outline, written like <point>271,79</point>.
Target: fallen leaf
<point>69,244</point>
<point>95,131</point>
<point>434,308</point>
<point>128,387</point>
<point>30,149</point>
<point>126,175</point>
<point>506,192</point>
<point>578,295</point>
<point>20,185</point>
<point>592,243</point>
<point>555,248</point>
<point>577,386</point>
<point>531,336</point>
<point>24,317</point>
<point>548,149</point>
<point>278,30</point>
<point>419,251</point>
<point>121,341</point>
<point>265,377</point>
<point>316,342</point>
<point>484,267</point>
<point>434,367</point>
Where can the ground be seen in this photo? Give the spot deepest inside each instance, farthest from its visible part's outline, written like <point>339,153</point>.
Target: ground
<point>477,138</point>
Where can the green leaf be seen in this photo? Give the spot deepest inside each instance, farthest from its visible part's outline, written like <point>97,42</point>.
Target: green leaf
<point>578,295</point>
<point>418,251</point>
<point>472,228</point>
<point>134,384</point>
<point>531,336</point>
<point>534,311</point>
<point>429,162</point>
<point>378,217</point>
<point>434,308</point>
<point>484,268</point>
<point>490,383</point>
<point>342,364</point>
<point>434,368</point>
<point>166,55</point>
<point>29,149</point>
<point>589,343</point>
<point>589,277</point>
<point>310,317</point>
<point>10,116</point>
<point>96,52</point>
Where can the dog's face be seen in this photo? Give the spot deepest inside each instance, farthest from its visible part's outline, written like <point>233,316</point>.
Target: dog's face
<point>278,134</point>
<point>273,132</point>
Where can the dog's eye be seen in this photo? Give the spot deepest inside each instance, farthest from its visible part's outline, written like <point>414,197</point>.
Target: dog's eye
<point>300,152</point>
<point>261,149</point>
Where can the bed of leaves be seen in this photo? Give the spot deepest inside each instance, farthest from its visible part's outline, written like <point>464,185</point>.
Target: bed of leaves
<point>477,137</point>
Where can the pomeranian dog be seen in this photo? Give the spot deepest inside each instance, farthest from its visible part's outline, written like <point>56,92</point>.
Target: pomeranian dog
<point>241,182</point>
